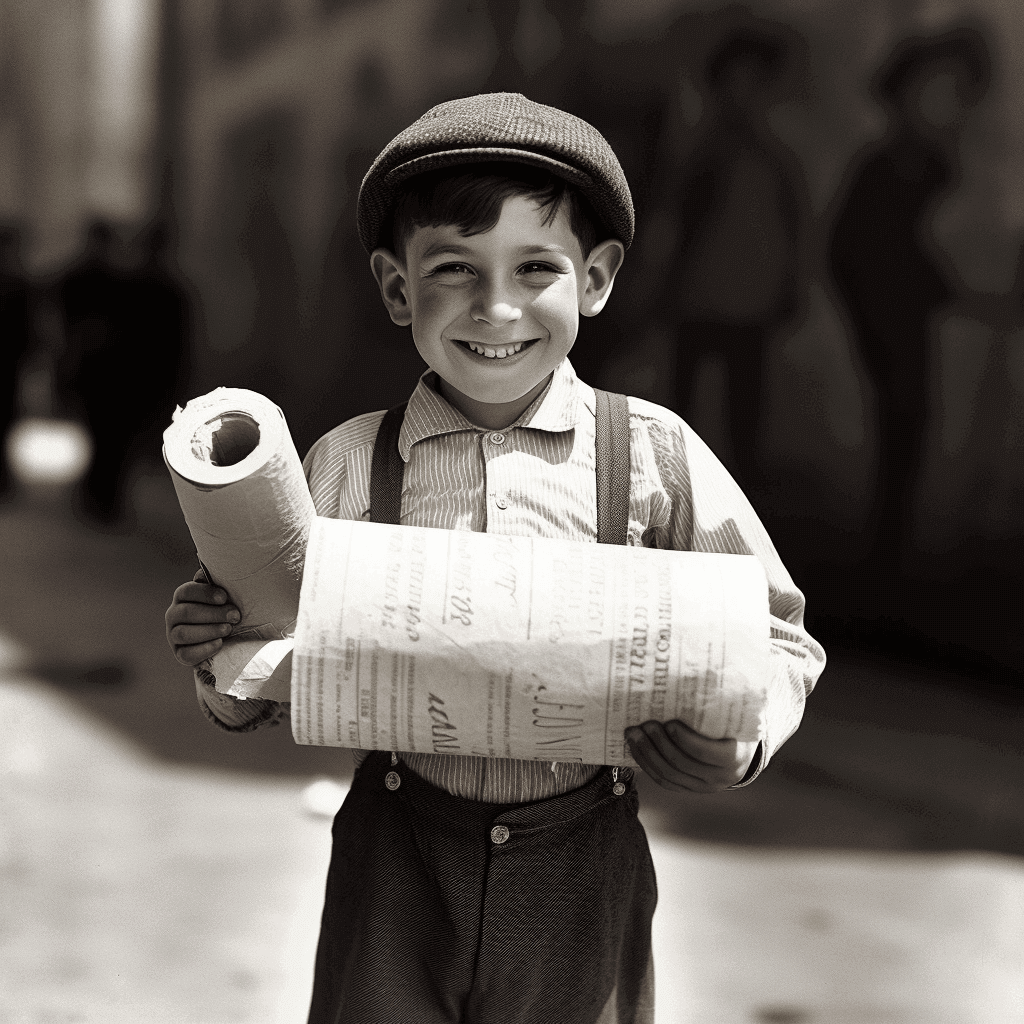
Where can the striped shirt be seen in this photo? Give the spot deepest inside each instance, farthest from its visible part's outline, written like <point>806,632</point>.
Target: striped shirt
<point>537,478</point>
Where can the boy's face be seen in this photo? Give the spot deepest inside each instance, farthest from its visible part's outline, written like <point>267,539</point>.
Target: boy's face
<point>493,314</point>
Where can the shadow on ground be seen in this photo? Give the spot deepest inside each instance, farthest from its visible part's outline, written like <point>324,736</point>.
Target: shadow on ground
<point>83,609</point>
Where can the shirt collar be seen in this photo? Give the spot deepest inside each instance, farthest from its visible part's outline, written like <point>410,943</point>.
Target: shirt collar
<point>428,413</point>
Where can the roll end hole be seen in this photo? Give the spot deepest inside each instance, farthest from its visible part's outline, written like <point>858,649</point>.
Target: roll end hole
<point>237,437</point>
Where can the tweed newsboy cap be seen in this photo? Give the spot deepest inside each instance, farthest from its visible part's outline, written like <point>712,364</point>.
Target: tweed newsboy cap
<point>498,126</point>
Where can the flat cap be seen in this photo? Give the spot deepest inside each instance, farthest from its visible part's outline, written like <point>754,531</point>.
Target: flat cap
<point>498,126</point>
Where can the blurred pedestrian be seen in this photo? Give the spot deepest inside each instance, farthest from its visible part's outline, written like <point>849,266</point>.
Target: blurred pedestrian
<point>890,272</point>
<point>94,375</point>
<point>156,318</point>
<point>731,282</point>
<point>16,335</point>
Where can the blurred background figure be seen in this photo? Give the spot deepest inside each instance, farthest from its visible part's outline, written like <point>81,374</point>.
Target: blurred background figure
<point>94,372</point>
<point>156,318</point>
<point>16,335</point>
<point>893,276</point>
<point>732,280</point>
<point>267,253</point>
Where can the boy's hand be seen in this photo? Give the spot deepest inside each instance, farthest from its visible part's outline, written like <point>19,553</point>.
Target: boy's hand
<point>198,620</point>
<point>678,758</point>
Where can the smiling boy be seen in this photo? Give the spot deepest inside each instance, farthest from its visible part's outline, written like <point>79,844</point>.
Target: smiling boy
<point>477,889</point>
<point>494,313</point>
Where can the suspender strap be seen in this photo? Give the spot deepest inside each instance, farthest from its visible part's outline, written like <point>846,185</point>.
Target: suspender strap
<point>387,470</point>
<point>612,467</point>
<point>612,452</point>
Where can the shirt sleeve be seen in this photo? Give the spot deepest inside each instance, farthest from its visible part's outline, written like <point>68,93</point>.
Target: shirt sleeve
<point>233,714</point>
<point>705,510</point>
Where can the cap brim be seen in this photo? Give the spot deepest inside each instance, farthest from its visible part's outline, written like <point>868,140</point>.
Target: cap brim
<point>484,154</point>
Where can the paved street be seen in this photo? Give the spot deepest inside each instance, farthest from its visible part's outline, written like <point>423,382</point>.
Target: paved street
<point>154,869</point>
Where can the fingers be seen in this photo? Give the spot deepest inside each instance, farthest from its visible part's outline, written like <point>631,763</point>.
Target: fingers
<point>714,753</point>
<point>198,620</point>
<point>195,612</point>
<point>200,593</point>
<point>647,743</point>
<point>679,758</point>
<point>198,634</point>
<point>184,614</point>
<point>193,643</point>
<point>192,654</point>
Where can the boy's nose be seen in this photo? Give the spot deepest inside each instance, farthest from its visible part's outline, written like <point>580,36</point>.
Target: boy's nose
<point>495,309</point>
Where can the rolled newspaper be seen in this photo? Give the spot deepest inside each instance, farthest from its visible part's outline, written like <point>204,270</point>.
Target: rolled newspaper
<point>240,484</point>
<point>424,640</point>
<point>439,641</point>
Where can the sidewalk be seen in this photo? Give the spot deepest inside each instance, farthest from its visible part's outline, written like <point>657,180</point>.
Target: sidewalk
<point>140,892</point>
<point>157,870</point>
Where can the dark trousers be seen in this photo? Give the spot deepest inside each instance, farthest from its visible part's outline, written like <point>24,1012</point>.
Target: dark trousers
<point>428,918</point>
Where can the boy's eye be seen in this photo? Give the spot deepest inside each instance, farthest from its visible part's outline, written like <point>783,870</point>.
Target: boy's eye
<point>452,269</point>
<point>538,268</point>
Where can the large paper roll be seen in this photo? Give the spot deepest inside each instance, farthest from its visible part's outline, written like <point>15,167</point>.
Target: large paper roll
<point>247,505</point>
<point>454,642</point>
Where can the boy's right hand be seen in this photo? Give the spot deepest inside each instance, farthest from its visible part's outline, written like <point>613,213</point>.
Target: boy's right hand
<point>198,620</point>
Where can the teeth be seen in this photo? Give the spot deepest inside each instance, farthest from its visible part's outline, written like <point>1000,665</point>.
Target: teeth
<point>495,353</point>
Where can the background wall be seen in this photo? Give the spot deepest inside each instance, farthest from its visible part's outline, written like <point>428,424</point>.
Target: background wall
<point>248,127</point>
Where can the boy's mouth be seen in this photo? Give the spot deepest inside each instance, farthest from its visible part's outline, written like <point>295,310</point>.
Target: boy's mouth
<point>496,351</point>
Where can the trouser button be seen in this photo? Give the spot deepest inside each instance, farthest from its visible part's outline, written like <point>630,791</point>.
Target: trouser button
<point>499,835</point>
<point>392,780</point>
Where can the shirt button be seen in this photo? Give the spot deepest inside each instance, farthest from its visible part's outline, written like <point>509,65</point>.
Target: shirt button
<point>497,438</point>
<point>499,835</point>
<point>392,780</point>
<point>501,501</point>
<point>619,788</point>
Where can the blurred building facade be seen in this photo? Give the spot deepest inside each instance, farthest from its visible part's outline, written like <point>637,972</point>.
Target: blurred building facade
<point>80,119</point>
<point>268,113</point>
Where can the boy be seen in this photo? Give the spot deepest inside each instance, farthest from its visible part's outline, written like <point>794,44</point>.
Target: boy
<point>486,890</point>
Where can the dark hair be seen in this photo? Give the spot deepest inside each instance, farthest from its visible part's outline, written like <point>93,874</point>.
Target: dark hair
<point>470,198</point>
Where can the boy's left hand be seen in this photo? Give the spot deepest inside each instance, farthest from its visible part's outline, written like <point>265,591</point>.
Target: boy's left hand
<point>678,758</point>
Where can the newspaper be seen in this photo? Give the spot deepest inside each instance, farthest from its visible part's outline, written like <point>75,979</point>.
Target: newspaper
<point>450,642</point>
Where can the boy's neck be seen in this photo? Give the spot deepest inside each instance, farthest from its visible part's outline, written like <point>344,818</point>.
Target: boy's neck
<point>490,415</point>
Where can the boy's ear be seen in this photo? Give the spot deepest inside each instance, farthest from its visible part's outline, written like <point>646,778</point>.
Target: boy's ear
<point>602,265</point>
<point>390,274</point>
